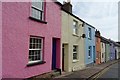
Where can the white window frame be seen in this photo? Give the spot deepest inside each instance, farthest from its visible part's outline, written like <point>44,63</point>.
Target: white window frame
<point>40,12</point>
<point>41,50</point>
<point>75,27</point>
<point>75,52</point>
<point>89,33</point>
<point>89,51</point>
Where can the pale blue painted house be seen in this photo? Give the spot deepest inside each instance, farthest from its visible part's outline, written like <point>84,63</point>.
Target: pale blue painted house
<point>90,49</point>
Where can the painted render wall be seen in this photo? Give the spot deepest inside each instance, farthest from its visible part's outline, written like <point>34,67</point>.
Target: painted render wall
<point>17,28</point>
<point>98,50</point>
<point>89,42</point>
<point>0,40</point>
<point>103,52</point>
<point>107,52</point>
<point>69,39</point>
<point>112,51</point>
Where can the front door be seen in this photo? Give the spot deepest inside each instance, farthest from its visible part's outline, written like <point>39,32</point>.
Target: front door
<point>63,53</point>
<point>53,54</point>
<point>94,57</point>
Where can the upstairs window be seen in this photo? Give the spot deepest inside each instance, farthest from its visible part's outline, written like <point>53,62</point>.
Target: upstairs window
<point>89,33</point>
<point>37,9</point>
<point>75,27</point>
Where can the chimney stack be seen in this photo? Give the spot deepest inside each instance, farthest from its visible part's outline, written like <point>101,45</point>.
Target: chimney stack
<point>67,6</point>
<point>97,33</point>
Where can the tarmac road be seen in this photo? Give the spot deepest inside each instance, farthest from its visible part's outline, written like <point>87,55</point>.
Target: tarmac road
<point>110,73</point>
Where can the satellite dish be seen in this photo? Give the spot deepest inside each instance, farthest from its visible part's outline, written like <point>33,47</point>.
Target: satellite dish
<point>83,36</point>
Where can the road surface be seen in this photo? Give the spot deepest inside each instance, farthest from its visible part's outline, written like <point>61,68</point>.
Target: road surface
<point>110,73</point>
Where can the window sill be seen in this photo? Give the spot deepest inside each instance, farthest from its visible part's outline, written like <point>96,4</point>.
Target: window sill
<point>74,61</point>
<point>37,20</point>
<point>36,63</point>
<point>75,35</point>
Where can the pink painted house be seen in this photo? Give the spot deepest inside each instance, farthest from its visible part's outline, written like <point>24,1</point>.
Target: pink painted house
<point>31,36</point>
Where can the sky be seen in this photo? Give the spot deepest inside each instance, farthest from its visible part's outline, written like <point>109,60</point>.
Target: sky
<point>102,14</point>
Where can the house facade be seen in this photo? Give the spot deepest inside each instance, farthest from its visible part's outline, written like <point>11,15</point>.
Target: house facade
<point>98,47</point>
<point>72,41</point>
<point>31,34</point>
<point>117,46</point>
<point>90,49</point>
<point>0,40</point>
<point>118,50</point>
<point>107,57</point>
<point>112,50</point>
<point>103,49</point>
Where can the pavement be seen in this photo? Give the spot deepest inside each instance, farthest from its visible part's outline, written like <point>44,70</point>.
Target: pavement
<point>89,72</point>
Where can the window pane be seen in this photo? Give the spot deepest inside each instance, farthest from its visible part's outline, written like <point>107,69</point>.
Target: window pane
<point>75,56</point>
<point>37,9</point>
<point>38,4</point>
<point>89,51</point>
<point>41,15</point>
<point>33,12</point>
<point>30,52</point>
<point>89,33</point>
<point>30,58</point>
<point>74,49</point>
<point>74,27</point>
<point>39,40</point>
<point>35,44</point>
<point>74,52</point>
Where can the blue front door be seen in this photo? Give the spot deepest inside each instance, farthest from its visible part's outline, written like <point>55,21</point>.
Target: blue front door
<point>54,54</point>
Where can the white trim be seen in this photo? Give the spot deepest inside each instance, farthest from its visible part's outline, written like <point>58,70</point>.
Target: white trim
<point>34,61</point>
<point>35,49</point>
<point>75,35</point>
<point>76,60</point>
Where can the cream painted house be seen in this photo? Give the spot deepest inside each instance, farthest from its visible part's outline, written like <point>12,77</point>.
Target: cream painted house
<point>102,51</point>
<point>72,41</point>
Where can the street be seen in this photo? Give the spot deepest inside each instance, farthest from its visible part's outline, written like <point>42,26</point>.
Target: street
<point>111,72</point>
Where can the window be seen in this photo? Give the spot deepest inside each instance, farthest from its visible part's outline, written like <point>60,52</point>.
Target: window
<point>89,33</point>
<point>37,9</point>
<point>35,49</point>
<point>75,27</point>
<point>75,52</point>
<point>89,51</point>
<point>102,55</point>
<point>102,45</point>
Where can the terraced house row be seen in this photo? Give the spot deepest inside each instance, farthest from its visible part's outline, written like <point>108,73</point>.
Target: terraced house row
<point>40,37</point>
